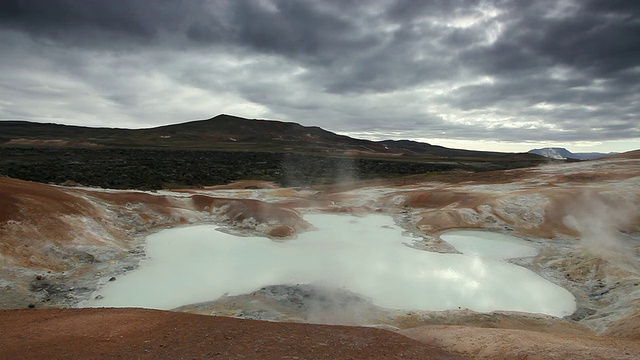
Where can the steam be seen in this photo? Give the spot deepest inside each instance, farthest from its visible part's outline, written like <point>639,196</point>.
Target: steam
<point>321,303</point>
<point>366,256</point>
<point>305,170</point>
<point>598,217</point>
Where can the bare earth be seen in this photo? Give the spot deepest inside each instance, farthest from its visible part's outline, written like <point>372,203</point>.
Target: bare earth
<point>59,245</point>
<point>152,334</point>
<point>483,343</point>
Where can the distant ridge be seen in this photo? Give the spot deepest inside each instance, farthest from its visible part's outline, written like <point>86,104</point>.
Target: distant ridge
<point>418,148</point>
<point>562,154</point>
<point>232,133</point>
<point>633,154</point>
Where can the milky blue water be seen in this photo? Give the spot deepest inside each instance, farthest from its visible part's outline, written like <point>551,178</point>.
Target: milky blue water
<point>488,244</point>
<point>366,255</point>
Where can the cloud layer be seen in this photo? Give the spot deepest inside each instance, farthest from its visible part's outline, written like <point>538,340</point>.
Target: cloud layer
<point>468,70</point>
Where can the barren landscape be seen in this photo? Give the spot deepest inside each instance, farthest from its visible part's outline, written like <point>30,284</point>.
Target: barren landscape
<point>62,244</point>
<point>308,179</point>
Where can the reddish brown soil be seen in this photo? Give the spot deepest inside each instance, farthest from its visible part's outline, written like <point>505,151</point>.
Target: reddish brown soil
<point>283,232</point>
<point>238,210</point>
<point>24,200</point>
<point>153,334</point>
<point>507,344</point>
<point>635,154</point>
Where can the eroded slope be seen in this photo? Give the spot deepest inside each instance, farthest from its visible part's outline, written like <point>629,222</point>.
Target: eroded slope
<point>58,244</point>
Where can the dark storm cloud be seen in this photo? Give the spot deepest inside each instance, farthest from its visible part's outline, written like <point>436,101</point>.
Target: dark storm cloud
<point>595,38</point>
<point>288,28</point>
<point>505,69</point>
<point>84,23</point>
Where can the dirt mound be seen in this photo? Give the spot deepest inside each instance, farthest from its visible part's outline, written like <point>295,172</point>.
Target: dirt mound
<point>482,343</point>
<point>635,154</point>
<point>152,334</point>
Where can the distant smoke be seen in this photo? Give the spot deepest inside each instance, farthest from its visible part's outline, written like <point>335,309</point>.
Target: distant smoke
<point>599,217</point>
<point>339,307</point>
<point>305,170</point>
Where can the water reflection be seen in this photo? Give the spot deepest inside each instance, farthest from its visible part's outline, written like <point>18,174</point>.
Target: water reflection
<point>364,255</point>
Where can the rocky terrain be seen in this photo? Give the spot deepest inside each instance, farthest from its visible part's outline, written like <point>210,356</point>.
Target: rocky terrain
<point>154,169</point>
<point>59,244</point>
<point>221,150</point>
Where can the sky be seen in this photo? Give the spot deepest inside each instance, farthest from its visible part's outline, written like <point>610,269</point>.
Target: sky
<point>505,75</point>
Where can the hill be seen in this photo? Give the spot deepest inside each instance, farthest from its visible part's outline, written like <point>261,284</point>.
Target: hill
<point>226,132</point>
<point>223,132</point>
<point>634,154</point>
<point>221,150</point>
<point>409,147</point>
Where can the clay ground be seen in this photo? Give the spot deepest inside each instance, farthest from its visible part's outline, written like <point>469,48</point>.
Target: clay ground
<point>59,244</point>
<point>152,334</point>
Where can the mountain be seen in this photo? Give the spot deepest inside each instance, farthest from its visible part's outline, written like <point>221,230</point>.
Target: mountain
<point>232,133</point>
<point>562,153</point>
<point>220,132</point>
<point>553,153</point>
<point>592,155</point>
<point>410,147</point>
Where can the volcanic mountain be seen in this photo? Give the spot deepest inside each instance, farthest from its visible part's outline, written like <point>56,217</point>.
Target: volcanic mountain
<point>226,132</point>
<point>223,149</point>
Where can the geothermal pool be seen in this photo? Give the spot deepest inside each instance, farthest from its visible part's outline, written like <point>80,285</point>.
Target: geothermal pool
<point>488,245</point>
<point>366,255</point>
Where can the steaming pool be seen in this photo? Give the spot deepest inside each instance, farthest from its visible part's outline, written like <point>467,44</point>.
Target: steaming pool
<point>366,255</point>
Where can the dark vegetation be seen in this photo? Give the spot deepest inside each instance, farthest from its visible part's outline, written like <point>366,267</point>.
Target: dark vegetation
<point>219,151</point>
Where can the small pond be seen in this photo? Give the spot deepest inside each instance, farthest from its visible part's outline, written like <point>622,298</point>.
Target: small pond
<point>366,255</point>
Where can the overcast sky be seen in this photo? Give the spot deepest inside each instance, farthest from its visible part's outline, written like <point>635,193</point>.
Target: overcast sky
<point>503,75</point>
